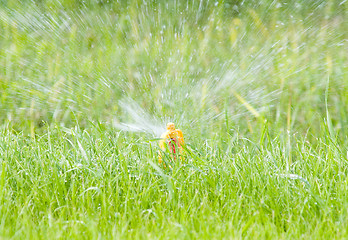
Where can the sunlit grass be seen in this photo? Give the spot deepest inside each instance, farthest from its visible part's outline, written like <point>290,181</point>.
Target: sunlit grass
<point>74,183</point>
<point>259,91</point>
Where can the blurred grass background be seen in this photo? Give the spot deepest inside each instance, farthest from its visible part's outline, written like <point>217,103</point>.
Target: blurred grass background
<point>68,61</point>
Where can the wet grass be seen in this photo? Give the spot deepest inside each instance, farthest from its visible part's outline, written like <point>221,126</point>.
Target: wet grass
<point>259,90</point>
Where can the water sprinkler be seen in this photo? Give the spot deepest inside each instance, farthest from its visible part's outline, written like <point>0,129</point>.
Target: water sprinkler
<point>171,141</point>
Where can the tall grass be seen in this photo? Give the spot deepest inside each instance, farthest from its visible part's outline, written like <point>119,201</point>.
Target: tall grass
<point>258,89</point>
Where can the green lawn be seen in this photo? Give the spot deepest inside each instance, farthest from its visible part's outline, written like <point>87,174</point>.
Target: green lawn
<point>259,89</point>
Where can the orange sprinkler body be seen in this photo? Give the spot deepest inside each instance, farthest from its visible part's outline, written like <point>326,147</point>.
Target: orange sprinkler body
<point>172,140</point>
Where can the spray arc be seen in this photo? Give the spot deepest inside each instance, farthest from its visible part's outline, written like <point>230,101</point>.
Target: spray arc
<point>172,140</point>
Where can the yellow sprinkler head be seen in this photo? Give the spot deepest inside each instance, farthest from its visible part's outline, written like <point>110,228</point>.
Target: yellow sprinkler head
<point>172,140</point>
<point>170,126</point>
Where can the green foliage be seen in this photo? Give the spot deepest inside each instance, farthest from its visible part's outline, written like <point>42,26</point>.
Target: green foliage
<point>73,183</point>
<point>258,88</point>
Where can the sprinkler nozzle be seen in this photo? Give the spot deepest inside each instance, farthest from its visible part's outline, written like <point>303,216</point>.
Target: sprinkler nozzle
<point>171,141</point>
